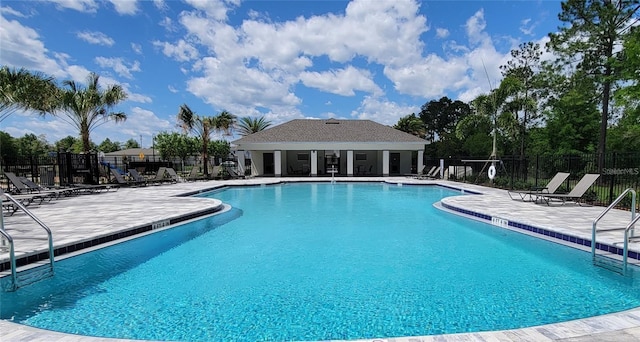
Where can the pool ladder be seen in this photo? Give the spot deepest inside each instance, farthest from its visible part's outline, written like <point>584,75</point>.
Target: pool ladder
<point>32,275</point>
<point>603,258</point>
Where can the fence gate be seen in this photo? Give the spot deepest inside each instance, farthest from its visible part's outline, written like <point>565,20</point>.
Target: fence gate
<point>78,168</point>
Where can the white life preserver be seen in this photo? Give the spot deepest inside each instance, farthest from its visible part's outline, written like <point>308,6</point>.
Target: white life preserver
<point>491,172</point>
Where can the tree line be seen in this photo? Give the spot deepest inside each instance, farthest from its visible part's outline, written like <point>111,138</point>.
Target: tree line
<point>586,99</point>
<point>86,108</point>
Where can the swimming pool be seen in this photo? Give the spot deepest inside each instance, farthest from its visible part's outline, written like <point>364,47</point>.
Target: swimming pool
<point>349,261</point>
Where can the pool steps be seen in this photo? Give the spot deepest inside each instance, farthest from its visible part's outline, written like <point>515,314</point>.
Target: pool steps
<point>627,237</point>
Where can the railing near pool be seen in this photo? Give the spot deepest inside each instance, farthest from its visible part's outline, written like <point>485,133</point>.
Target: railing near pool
<point>12,258</point>
<point>628,232</point>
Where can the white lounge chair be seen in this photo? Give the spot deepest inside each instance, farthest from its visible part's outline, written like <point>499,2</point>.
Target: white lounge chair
<point>432,174</point>
<point>533,193</point>
<point>575,194</point>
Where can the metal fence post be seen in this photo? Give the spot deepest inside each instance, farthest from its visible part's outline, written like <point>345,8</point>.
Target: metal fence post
<point>613,178</point>
<point>537,169</point>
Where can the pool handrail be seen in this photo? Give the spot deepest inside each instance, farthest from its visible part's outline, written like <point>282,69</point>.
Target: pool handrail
<point>12,257</point>
<point>37,220</point>
<point>629,227</point>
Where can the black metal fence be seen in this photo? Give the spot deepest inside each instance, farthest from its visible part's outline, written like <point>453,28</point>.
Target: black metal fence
<point>56,169</point>
<point>63,168</point>
<point>620,171</point>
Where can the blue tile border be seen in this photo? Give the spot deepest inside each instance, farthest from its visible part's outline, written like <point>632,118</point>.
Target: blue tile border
<point>73,247</point>
<point>547,233</point>
<point>466,191</point>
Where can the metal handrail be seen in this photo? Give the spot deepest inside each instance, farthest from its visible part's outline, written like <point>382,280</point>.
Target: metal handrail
<point>634,219</point>
<point>12,258</point>
<point>37,220</point>
<point>626,241</point>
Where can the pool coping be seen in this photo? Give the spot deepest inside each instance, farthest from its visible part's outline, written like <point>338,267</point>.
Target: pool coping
<point>625,323</point>
<point>547,233</point>
<point>58,251</point>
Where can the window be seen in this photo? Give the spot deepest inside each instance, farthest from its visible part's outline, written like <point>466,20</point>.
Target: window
<point>361,156</point>
<point>303,156</point>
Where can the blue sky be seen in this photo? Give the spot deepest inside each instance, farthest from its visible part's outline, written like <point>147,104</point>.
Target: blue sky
<point>363,59</point>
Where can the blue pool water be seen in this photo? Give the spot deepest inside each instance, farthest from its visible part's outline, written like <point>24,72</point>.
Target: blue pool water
<point>319,262</point>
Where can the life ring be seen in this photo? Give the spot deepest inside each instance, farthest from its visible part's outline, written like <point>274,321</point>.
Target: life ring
<point>491,172</point>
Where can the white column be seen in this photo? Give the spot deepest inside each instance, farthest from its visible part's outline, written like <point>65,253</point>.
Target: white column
<point>277,161</point>
<point>314,163</point>
<point>385,163</point>
<point>240,156</point>
<point>420,160</point>
<point>350,163</point>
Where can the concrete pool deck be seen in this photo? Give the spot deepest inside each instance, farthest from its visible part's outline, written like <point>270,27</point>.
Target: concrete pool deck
<point>86,218</point>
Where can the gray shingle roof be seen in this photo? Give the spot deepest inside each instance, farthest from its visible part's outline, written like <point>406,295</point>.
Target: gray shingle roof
<point>331,130</point>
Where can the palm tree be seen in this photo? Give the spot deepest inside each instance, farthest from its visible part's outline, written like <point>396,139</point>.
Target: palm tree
<point>411,124</point>
<point>88,108</point>
<point>191,122</point>
<point>224,122</point>
<point>248,125</point>
<point>25,90</point>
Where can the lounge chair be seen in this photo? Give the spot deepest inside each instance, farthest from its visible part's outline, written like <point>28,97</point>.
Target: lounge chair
<point>94,188</point>
<point>159,178</point>
<point>122,181</point>
<point>137,177</point>
<point>575,194</point>
<point>193,174</point>
<point>16,186</point>
<point>25,199</point>
<point>432,174</point>
<point>37,188</point>
<point>173,175</point>
<point>22,188</point>
<point>215,171</point>
<point>235,174</point>
<point>419,173</point>
<point>10,208</point>
<point>533,193</point>
<point>431,170</point>
<point>295,172</point>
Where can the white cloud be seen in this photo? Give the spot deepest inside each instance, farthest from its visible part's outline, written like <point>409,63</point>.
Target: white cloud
<point>140,122</point>
<point>140,98</point>
<point>89,6</point>
<point>54,128</point>
<point>168,24</point>
<point>342,82</point>
<point>527,27</point>
<point>79,73</point>
<point>182,51</point>
<point>97,38</point>
<point>119,66</point>
<point>442,33</point>
<point>128,7</point>
<point>248,72</point>
<point>10,11</point>
<point>22,47</point>
<point>137,48</point>
<point>239,89</point>
<point>160,5</point>
<point>382,111</point>
<point>215,9</point>
<point>172,89</point>
<point>475,28</point>
<point>431,77</point>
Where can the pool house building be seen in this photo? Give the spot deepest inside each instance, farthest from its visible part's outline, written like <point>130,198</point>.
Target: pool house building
<point>307,147</point>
